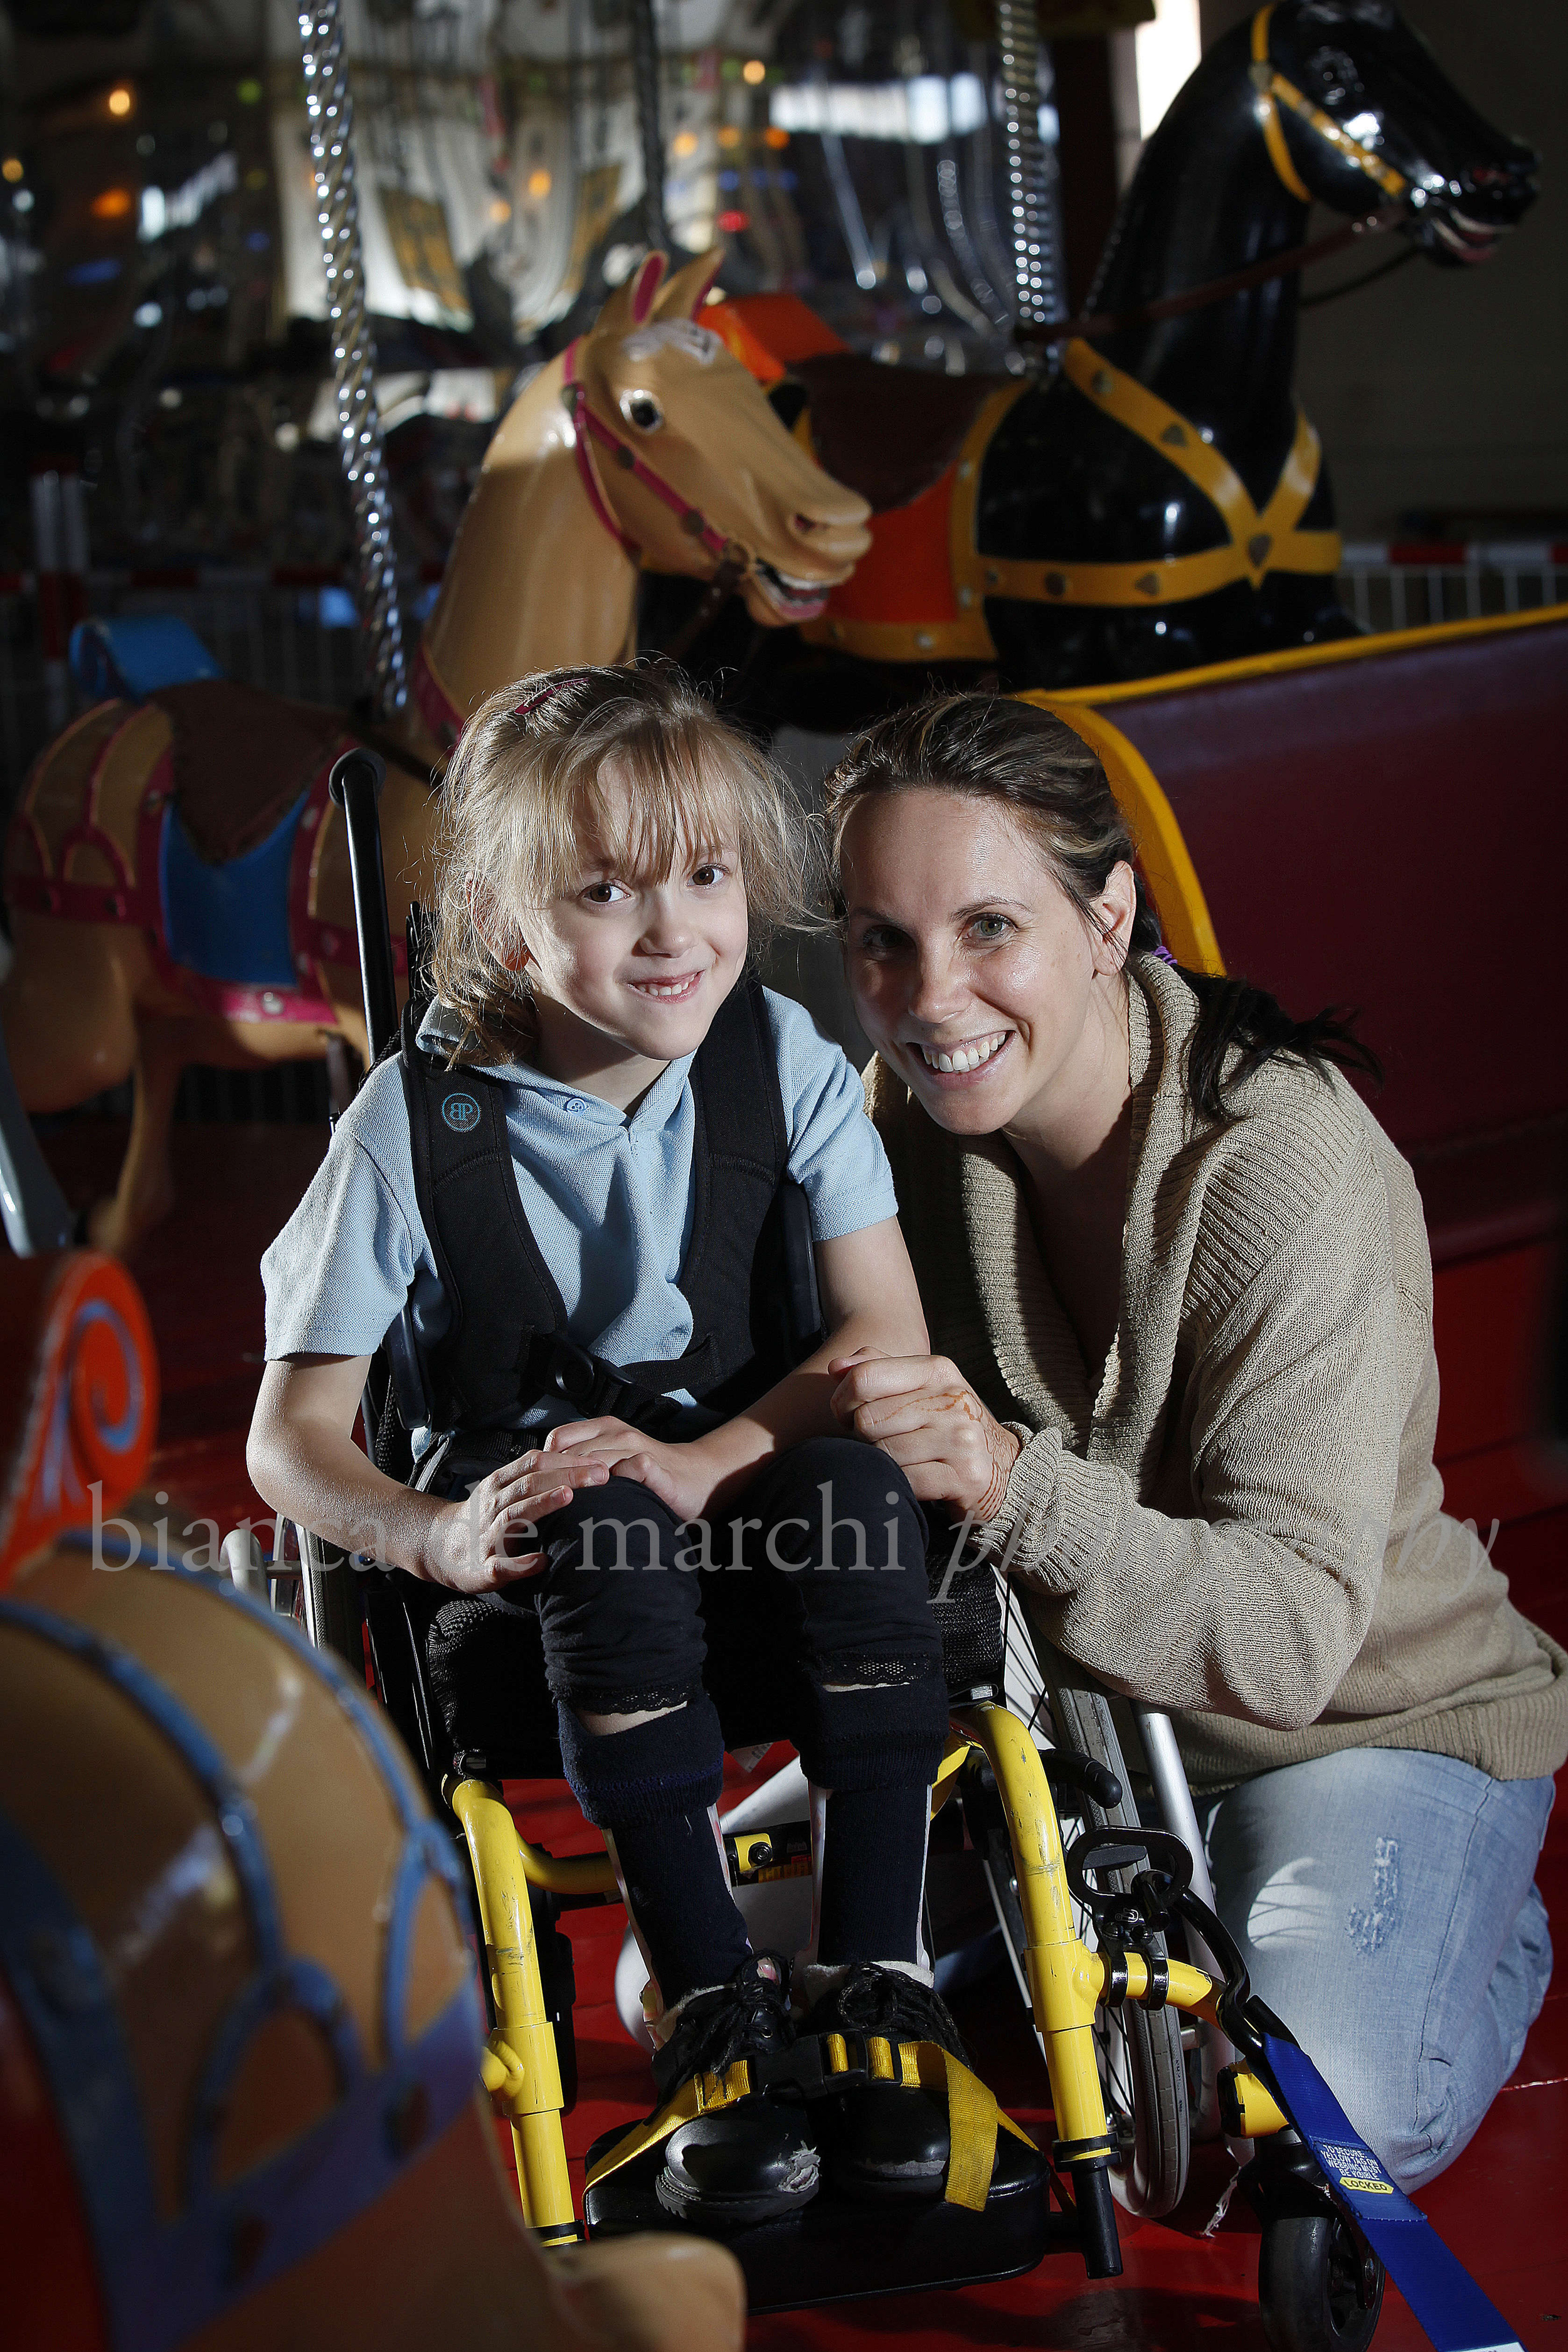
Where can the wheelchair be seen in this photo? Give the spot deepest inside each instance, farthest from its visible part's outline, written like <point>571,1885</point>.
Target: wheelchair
<point>1141,2045</point>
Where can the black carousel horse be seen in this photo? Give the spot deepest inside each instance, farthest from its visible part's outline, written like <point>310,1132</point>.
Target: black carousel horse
<point>1161,502</point>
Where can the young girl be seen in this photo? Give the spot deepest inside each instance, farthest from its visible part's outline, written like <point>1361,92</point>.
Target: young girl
<point>577,1155</point>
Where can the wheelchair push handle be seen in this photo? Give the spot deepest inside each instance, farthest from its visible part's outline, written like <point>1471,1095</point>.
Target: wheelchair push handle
<point>355,785</point>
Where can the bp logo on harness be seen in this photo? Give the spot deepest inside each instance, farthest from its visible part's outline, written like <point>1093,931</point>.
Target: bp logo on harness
<point>461,1113</point>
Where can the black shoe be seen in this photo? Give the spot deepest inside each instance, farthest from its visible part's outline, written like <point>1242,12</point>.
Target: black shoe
<point>752,2161</point>
<point>891,2142</point>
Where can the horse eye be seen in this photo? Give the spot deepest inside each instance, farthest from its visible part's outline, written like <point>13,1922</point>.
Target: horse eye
<point>639,408</point>
<point>1337,73</point>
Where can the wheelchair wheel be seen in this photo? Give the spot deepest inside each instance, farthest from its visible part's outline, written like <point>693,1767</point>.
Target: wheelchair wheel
<point>334,1613</point>
<point>1316,2290</point>
<point>1142,2063</point>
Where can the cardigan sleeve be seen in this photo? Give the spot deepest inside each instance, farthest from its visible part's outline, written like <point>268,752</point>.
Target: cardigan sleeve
<point>1256,1604</point>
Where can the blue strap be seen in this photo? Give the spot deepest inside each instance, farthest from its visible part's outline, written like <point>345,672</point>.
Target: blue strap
<point>1439,2289</point>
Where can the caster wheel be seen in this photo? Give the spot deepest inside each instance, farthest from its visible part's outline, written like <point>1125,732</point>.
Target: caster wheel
<point>1316,2290</point>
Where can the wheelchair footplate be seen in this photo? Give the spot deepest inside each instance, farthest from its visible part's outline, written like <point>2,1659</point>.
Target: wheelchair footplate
<point>991,2220</point>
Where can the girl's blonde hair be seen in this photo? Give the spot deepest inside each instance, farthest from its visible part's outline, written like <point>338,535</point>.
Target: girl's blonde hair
<point>526,792</point>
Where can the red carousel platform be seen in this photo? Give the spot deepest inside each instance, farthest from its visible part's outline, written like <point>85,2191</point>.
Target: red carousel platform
<point>1500,2207</point>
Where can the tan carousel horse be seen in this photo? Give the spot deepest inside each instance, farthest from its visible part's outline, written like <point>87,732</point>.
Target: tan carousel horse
<point>177,875</point>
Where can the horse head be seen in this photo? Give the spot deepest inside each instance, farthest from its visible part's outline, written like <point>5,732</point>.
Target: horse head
<point>1354,106</point>
<point>693,463</point>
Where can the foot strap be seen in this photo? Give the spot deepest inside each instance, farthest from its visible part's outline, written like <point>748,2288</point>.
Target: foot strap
<point>818,2066</point>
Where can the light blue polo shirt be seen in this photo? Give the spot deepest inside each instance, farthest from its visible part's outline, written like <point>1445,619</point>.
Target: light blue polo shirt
<point>609,1199</point>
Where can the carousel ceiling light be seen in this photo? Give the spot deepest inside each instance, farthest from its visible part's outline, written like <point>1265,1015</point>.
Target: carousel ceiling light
<point>121,100</point>
<point>728,135</point>
<point>540,182</point>
<point>753,71</point>
<point>925,109</point>
<point>684,144</point>
<point>12,169</point>
<point>500,209</point>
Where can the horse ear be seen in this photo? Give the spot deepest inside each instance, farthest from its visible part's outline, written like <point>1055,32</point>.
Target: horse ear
<point>630,303</point>
<point>645,286</point>
<point>688,290</point>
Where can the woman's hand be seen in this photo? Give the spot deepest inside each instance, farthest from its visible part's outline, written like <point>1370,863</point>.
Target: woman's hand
<point>924,1416</point>
<point>679,1477</point>
<point>488,1539</point>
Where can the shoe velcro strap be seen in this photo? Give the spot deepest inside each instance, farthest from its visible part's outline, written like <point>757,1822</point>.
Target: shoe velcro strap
<point>831,2062</point>
<point>699,2094</point>
<point>973,2114</point>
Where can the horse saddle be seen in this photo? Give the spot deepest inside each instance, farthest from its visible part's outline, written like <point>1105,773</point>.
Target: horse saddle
<point>241,759</point>
<point>888,450</point>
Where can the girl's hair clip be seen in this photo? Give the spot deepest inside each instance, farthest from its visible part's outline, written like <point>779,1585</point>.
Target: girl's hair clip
<point>556,685</point>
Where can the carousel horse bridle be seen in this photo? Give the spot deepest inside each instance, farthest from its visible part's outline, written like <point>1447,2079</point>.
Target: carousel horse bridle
<point>1275,91</point>
<point>732,560</point>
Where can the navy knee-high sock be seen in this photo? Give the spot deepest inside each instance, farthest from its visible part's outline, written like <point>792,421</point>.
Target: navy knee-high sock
<point>650,1788</point>
<point>873,1876</point>
<point>877,1749</point>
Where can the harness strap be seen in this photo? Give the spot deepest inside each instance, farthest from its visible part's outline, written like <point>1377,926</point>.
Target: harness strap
<point>821,2067</point>
<point>1274,91</point>
<point>1255,543</point>
<point>506,1344</point>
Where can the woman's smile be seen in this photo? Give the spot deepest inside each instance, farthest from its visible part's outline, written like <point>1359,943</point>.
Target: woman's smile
<point>966,1060</point>
<point>974,973</point>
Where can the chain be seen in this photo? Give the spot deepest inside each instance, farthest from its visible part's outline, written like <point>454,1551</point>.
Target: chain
<point>328,105</point>
<point>1036,274</point>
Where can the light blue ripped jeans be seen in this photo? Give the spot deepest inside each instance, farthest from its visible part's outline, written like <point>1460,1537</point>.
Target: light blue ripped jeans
<point>1383,1901</point>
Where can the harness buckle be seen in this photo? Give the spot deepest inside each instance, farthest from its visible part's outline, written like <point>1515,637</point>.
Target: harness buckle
<point>572,1374</point>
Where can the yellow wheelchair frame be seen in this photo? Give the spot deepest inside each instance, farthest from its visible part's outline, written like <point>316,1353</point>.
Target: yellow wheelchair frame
<point>1066,1981</point>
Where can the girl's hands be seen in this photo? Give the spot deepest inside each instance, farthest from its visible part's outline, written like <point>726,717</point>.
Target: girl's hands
<point>487,1540</point>
<point>924,1416</point>
<point>679,1476</point>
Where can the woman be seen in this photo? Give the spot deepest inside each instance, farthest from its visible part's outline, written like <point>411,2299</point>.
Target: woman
<point>1178,1284</point>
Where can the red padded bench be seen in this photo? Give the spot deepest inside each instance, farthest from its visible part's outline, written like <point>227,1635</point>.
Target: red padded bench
<point>1385,825</point>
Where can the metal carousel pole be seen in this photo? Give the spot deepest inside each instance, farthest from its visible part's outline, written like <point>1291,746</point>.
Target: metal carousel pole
<point>328,105</point>
<point>650,128</point>
<point>1032,183</point>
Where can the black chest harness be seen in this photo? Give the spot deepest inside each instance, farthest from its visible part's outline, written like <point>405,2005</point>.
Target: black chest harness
<point>748,1273</point>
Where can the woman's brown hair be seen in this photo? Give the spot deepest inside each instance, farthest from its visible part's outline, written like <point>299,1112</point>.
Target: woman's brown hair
<point>1012,754</point>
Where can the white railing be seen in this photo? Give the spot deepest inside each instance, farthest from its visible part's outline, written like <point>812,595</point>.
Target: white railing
<point>270,628</point>
<point>1393,586</point>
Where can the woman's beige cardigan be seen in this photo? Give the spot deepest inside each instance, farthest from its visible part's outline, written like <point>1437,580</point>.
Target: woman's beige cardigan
<point>1243,1526</point>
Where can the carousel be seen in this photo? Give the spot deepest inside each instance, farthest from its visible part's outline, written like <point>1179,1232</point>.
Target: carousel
<point>359,360</point>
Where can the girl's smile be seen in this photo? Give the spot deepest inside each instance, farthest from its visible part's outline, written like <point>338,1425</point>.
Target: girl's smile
<point>670,991</point>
